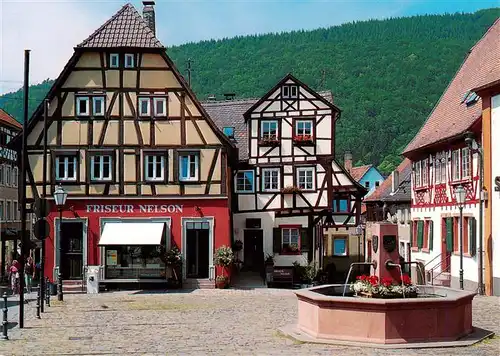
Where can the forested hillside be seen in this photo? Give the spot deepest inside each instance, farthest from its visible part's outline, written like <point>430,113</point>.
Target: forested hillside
<point>385,75</point>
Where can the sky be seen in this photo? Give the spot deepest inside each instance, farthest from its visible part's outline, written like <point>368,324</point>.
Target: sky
<point>50,29</point>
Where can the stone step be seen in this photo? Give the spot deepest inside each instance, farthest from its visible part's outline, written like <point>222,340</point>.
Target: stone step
<point>193,283</point>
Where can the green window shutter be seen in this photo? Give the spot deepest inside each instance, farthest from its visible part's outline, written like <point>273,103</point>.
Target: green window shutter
<point>472,236</point>
<point>420,234</point>
<point>411,234</point>
<point>304,240</point>
<point>276,240</point>
<point>449,234</point>
<point>431,235</point>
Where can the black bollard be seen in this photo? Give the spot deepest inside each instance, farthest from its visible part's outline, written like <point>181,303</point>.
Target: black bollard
<point>4,335</point>
<point>47,291</point>
<point>38,302</point>
<point>59,287</point>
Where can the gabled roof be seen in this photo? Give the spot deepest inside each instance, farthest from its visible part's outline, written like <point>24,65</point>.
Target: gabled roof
<point>327,101</point>
<point>229,113</point>
<point>358,172</point>
<point>126,28</point>
<point>451,116</point>
<point>5,118</point>
<point>403,192</point>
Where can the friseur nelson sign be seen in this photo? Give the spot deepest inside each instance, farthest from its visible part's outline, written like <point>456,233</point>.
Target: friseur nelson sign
<point>131,209</point>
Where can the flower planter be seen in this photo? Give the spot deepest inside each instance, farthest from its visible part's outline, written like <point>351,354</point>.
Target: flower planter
<point>269,143</point>
<point>221,284</point>
<point>303,143</point>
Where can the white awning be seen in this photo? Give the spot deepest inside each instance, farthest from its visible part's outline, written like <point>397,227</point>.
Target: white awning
<point>132,234</point>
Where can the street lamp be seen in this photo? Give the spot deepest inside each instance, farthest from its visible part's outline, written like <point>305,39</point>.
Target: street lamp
<point>460,194</point>
<point>60,196</point>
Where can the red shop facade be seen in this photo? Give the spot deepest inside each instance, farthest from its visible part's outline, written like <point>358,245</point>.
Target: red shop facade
<point>124,236</point>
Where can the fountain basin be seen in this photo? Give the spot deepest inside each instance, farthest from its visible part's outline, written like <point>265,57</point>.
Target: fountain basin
<point>440,314</point>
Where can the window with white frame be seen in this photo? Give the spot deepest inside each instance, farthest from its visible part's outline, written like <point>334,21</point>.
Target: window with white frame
<point>303,128</point>
<point>437,169</point>
<point>160,107</point>
<point>455,164</point>
<point>82,106</point>
<point>15,177</point>
<point>269,130</point>
<point>340,246</point>
<point>305,178</point>
<point>270,179</point>
<point>8,216</point>
<point>129,60</point>
<point>189,166</point>
<point>444,164</point>
<point>101,167</point>
<point>289,91</point>
<point>15,211</point>
<point>466,166</point>
<point>66,167</point>
<point>114,60</point>
<point>154,167</point>
<point>425,172</point>
<point>98,107</point>
<point>245,182</point>
<point>144,107</point>
<point>8,176</point>
<point>290,239</point>
<point>418,174</point>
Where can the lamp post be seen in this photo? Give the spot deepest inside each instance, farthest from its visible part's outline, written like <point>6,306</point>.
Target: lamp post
<point>475,147</point>
<point>60,196</point>
<point>460,195</point>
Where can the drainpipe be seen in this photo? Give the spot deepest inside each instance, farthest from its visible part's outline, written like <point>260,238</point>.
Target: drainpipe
<point>480,286</point>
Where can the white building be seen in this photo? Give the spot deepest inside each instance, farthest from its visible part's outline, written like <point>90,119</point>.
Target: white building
<point>443,160</point>
<point>287,175</point>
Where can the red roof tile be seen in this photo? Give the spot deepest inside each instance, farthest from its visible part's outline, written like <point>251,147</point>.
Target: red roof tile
<point>358,172</point>
<point>451,116</point>
<point>9,120</point>
<point>126,28</point>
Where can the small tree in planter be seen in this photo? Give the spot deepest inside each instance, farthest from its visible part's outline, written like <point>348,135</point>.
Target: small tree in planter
<point>221,282</point>
<point>223,257</point>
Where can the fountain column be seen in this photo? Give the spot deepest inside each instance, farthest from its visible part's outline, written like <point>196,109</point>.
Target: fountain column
<point>385,252</point>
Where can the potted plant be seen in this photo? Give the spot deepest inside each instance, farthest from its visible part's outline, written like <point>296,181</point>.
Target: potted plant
<point>271,140</point>
<point>172,259</point>
<point>303,140</point>
<point>221,282</point>
<point>372,287</point>
<point>308,274</point>
<point>223,258</point>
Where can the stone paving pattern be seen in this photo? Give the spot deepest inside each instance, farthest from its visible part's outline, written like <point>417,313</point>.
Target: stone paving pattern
<point>202,322</point>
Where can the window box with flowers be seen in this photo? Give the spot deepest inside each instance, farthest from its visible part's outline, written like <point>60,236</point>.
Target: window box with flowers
<point>269,141</point>
<point>291,190</point>
<point>386,288</point>
<point>303,140</point>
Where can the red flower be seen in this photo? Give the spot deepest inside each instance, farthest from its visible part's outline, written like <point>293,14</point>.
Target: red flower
<point>406,279</point>
<point>386,281</point>
<point>363,277</point>
<point>373,280</point>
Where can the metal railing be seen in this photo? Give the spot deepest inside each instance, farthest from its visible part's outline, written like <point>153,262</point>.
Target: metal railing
<point>436,270</point>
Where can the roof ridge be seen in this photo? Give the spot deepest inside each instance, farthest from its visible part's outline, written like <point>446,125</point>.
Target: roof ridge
<point>497,22</point>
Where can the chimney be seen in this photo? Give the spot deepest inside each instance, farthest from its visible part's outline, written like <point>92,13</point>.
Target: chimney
<point>348,161</point>
<point>148,12</point>
<point>395,181</point>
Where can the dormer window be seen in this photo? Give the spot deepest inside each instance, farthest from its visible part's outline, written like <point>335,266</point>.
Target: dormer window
<point>228,131</point>
<point>98,105</point>
<point>160,106</point>
<point>290,91</point>
<point>114,60</point>
<point>144,107</point>
<point>82,106</point>
<point>129,60</point>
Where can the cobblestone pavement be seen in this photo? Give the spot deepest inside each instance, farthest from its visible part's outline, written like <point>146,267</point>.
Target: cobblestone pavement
<point>203,322</point>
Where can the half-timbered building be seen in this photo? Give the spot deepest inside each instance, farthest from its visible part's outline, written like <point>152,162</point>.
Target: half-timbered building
<point>287,178</point>
<point>446,154</point>
<point>142,162</point>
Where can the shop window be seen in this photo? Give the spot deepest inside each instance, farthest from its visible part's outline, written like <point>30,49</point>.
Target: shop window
<point>245,182</point>
<point>154,167</point>
<point>270,179</point>
<point>290,240</point>
<point>340,246</point>
<point>189,166</point>
<point>160,106</point>
<point>129,60</point>
<point>144,106</point>
<point>98,105</point>
<point>82,106</point>
<point>114,60</point>
<point>101,167</point>
<point>66,167</point>
<point>305,178</point>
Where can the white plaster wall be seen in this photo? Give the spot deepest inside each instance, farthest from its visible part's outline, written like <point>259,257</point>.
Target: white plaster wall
<point>436,215</point>
<point>495,170</point>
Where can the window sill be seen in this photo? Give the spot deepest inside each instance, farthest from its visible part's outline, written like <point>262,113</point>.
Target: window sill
<point>244,192</point>
<point>457,253</point>
<point>426,250</point>
<point>415,249</point>
<point>461,181</point>
<point>424,187</point>
<point>334,255</point>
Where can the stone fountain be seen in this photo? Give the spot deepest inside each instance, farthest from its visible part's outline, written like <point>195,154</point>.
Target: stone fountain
<point>435,317</point>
